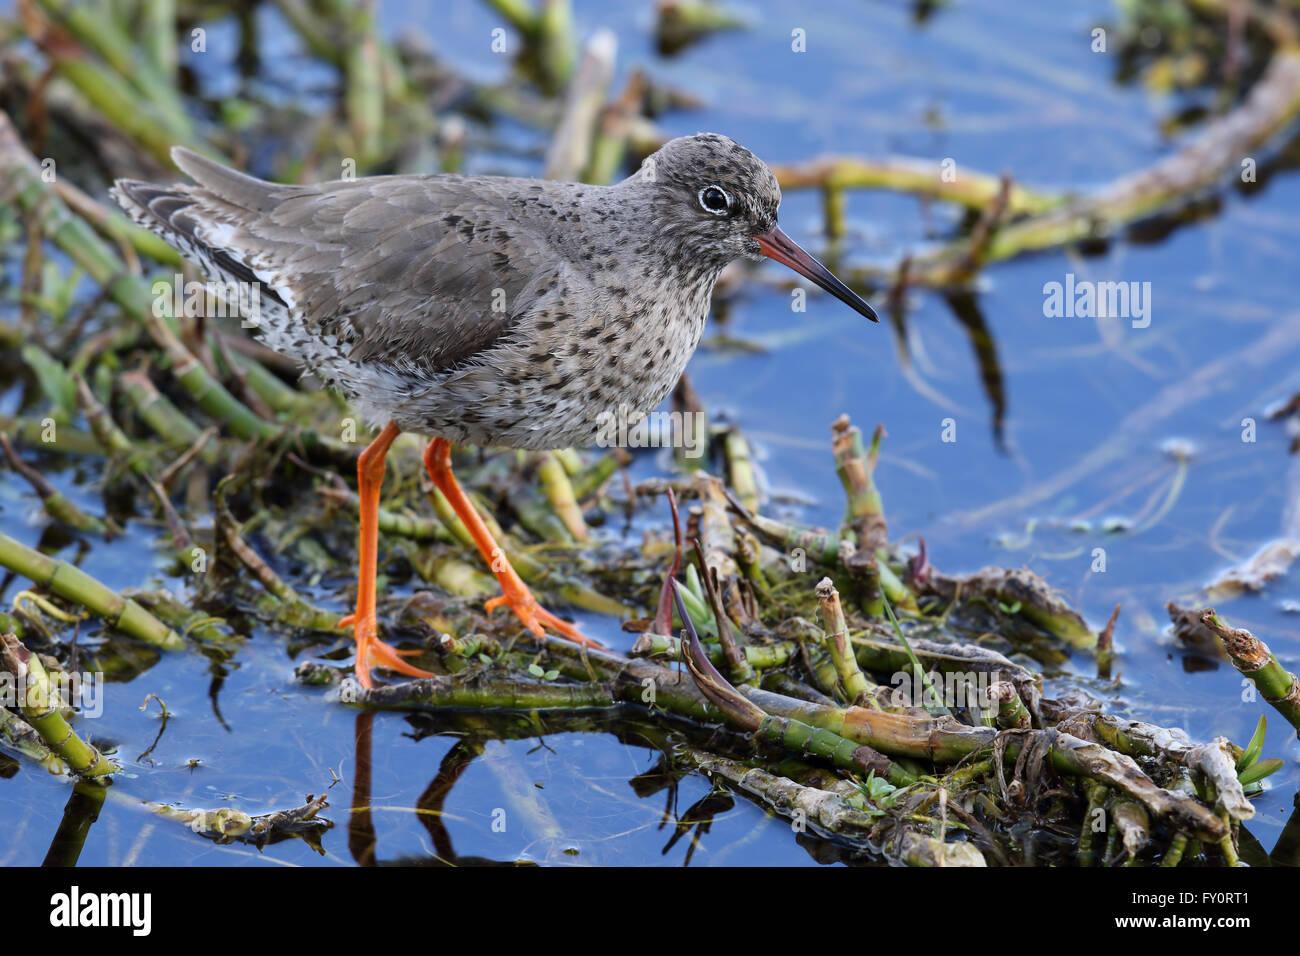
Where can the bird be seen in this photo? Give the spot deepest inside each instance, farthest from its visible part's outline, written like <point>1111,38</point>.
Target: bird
<point>483,310</point>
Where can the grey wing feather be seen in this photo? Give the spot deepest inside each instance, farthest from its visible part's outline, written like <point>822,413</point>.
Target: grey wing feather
<point>229,185</point>
<point>418,272</point>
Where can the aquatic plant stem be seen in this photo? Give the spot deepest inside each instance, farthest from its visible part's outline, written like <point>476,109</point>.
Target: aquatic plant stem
<point>40,707</point>
<point>856,686</point>
<point>70,582</point>
<point>1251,656</point>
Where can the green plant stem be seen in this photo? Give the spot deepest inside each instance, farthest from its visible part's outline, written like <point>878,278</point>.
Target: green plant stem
<point>73,584</point>
<point>856,685</point>
<point>1251,657</point>
<point>39,704</point>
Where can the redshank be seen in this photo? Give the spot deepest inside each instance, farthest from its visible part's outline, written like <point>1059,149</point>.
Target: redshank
<point>482,309</point>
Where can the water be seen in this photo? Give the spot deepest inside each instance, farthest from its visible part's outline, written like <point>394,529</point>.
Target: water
<point>995,86</point>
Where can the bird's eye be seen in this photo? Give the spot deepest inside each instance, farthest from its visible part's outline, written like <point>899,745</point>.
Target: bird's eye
<point>715,200</point>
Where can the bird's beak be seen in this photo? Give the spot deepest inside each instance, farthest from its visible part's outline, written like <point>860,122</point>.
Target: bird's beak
<point>777,245</point>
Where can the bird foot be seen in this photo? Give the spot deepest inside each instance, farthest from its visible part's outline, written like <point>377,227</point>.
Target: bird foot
<point>535,617</point>
<point>372,652</point>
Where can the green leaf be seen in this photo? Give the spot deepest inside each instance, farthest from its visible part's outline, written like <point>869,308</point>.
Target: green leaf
<point>876,789</point>
<point>53,379</point>
<point>694,583</point>
<point>536,670</point>
<point>485,659</point>
<point>44,303</point>
<point>236,113</point>
<point>1256,745</point>
<point>64,290</point>
<point>552,674</point>
<point>1010,608</point>
<point>697,607</point>
<point>57,293</point>
<point>936,705</point>
<point>1258,771</point>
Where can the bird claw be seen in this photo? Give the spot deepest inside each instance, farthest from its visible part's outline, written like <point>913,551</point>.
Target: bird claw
<point>536,618</point>
<point>372,652</point>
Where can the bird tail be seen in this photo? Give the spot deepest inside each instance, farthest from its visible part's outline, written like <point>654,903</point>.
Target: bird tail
<point>228,185</point>
<point>155,207</point>
<point>196,219</point>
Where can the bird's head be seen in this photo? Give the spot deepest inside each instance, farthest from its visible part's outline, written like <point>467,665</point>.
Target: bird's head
<point>715,202</point>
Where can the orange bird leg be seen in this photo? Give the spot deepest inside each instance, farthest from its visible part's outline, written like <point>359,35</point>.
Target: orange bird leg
<point>370,649</point>
<point>437,459</point>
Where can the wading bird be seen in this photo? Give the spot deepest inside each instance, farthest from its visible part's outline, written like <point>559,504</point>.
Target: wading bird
<point>481,309</point>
